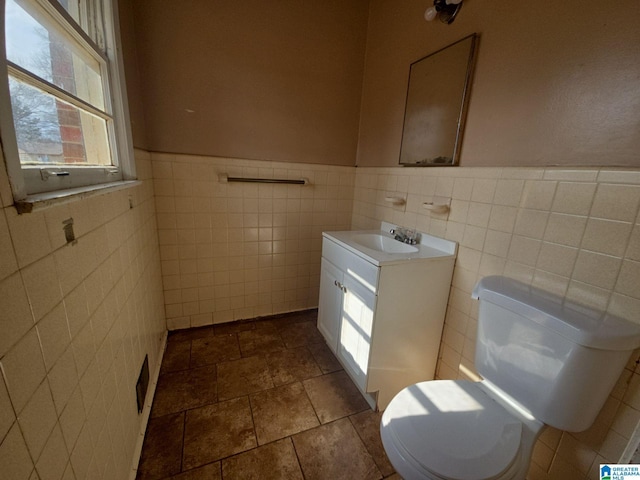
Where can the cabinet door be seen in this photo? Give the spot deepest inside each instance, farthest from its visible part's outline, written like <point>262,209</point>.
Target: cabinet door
<point>330,303</point>
<point>358,305</point>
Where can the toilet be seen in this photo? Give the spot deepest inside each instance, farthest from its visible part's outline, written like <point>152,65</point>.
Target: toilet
<point>544,361</point>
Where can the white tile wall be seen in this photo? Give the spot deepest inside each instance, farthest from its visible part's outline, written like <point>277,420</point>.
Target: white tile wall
<point>241,250</point>
<point>76,322</point>
<point>575,232</point>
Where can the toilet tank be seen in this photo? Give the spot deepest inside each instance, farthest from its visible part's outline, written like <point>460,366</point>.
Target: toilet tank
<point>560,360</point>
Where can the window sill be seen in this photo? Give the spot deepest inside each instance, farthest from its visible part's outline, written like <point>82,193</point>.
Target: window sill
<point>41,201</point>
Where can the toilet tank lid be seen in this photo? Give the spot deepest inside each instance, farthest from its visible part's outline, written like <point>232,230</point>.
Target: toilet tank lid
<point>577,323</point>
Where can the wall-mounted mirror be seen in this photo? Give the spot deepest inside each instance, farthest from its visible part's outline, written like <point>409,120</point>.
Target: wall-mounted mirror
<point>437,97</point>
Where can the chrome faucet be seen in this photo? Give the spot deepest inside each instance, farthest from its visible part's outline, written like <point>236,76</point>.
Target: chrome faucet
<point>405,235</point>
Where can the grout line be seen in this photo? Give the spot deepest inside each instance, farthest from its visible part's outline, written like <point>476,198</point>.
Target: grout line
<point>253,422</point>
<point>184,418</point>
<point>184,430</point>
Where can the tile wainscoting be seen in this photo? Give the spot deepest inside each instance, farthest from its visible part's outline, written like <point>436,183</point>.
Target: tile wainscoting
<point>234,251</point>
<point>574,232</point>
<point>76,321</point>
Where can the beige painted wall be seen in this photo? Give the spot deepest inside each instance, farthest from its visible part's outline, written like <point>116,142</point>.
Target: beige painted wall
<point>132,74</point>
<point>251,79</point>
<point>556,83</point>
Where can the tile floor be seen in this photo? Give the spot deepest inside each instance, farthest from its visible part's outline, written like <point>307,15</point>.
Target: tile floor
<point>258,400</point>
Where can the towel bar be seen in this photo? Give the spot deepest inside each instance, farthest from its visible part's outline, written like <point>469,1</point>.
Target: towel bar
<point>301,181</point>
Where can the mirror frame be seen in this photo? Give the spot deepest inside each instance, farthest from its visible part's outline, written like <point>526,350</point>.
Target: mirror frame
<point>462,111</point>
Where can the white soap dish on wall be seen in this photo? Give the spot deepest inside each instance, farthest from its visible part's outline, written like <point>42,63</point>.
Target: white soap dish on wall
<point>394,200</point>
<point>437,204</point>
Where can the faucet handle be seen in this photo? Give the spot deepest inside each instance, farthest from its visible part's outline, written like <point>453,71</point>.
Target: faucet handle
<point>400,234</point>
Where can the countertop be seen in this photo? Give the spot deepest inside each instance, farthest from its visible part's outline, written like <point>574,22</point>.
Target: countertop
<point>430,247</point>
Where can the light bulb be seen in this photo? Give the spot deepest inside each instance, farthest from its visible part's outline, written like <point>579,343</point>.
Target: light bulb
<point>430,14</point>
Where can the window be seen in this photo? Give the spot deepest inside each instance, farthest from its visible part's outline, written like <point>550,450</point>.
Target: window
<point>67,126</point>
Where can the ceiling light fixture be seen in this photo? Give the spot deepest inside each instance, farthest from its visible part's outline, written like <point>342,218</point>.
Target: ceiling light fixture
<point>445,10</point>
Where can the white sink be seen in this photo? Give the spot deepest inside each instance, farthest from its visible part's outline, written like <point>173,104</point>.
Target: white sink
<point>380,248</point>
<point>382,243</point>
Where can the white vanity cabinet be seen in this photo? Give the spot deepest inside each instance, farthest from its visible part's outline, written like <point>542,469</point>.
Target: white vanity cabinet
<point>356,322</point>
<point>331,278</point>
<point>382,313</point>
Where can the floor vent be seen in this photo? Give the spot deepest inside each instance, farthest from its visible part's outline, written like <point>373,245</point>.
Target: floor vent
<point>142,384</point>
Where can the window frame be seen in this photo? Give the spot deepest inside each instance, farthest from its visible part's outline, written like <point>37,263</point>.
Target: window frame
<point>21,178</point>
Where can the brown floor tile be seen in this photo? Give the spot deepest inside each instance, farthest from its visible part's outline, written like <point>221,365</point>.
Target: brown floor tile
<point>242,377</point>
<point>280,322</point>
<point>367,424</point>
<point>282,411</point>
<point>271,323</point>
<point>260,341</point>
<point>334,396</point>
<point>189,334</point>
<point>274,461</point>
<point>161,452</point>
<point>242,363</point>
<point>233,327</point>
<point>325,359</point>
<point>176,357</point>
<point>292,365</point>
<point>310,315</point>
<point>208,472</point>
<point>211,350</point>
<point>217,431</point>
<point>299,334</point>
<point>334,451</point>
<point>184,390</point>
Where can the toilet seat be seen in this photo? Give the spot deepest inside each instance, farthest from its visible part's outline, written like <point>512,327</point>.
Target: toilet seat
<point>452,430</point>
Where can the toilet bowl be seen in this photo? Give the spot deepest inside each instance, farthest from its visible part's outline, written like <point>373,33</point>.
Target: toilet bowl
<point>447,429</point>
<point>544,361</point>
